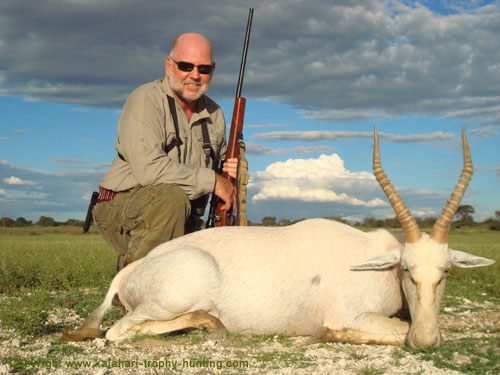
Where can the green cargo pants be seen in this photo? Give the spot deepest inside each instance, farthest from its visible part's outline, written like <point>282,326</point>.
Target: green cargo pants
<point>136,221</point>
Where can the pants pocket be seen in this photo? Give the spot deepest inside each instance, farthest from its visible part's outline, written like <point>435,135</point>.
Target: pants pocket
<point>107,218</point>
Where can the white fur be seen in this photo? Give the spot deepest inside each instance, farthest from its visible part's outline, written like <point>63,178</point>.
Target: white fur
<point>292,280</point>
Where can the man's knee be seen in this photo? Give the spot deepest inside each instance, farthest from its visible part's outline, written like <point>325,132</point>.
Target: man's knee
<point>169,204</point>
<point>162,216</point>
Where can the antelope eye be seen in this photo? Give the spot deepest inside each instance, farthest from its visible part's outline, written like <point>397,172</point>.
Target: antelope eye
<point>405,268</point>
<point>447,270</point>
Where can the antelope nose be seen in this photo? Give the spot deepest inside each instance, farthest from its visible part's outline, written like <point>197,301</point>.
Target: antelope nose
<point>424,340</point>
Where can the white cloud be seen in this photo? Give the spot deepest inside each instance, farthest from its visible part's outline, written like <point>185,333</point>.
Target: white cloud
<point>29,196</point>
<point>68,163</point>
<point>366,60</point>
<point>80,109</point>
<point>99,165</point>
<point>59,193</point>
<point>496,169</point>
<point>265,126</point>
<point>68,160</point>
<point>306,150</point>
<point>324,179</point>
<point>312,195</point>
<point>486,131</point>
<point>425,212</point>
<point>256,149</point>
<point>13,180</point>
<point>317,135</point>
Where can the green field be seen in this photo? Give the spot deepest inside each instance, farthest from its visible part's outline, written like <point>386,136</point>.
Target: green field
<point>42,269</point>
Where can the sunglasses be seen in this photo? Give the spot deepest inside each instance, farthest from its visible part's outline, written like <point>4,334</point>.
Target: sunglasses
<point>187,67</point>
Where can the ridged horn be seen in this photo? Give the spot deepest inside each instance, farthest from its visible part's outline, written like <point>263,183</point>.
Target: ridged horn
<point>408,223</point>
<point>442,225</point>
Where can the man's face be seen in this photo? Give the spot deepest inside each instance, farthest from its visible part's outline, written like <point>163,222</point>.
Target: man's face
<point>188,86</point>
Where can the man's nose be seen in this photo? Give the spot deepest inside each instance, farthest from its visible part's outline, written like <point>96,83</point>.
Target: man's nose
<point>195,74</point>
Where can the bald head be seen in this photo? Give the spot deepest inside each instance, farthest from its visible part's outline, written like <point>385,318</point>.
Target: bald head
<point>189,84</point>
<point>191,44</point>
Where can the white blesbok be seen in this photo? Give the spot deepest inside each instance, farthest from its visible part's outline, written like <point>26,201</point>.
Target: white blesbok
<point>311,278</point>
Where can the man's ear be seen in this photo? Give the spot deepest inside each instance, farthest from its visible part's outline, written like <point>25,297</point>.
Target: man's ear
<point>466,260</point>
<point>380,262</point>
<point>167,65</point>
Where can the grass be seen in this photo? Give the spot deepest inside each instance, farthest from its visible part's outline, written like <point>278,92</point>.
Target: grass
<point>475,356</point>
<point>476,284</point>
<point>357,353</point>
<point>45,269</point>
<point>279,359</point>
<point>370,370</point>
<point>48,270</point>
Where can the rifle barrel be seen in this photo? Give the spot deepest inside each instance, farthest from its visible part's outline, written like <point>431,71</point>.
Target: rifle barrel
<point>244,56</point>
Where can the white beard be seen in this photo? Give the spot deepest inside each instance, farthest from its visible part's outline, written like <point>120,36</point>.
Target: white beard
<point>178,87</point>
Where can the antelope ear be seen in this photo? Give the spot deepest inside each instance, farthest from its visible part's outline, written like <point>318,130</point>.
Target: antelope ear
<point>466,260</point>
<point>380,262</point>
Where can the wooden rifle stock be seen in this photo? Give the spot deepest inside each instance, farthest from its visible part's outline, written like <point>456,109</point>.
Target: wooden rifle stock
<point>226,218</point>
<point>217,216</point>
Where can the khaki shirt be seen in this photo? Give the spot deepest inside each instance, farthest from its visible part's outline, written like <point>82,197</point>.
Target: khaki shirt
<point>146,131</point>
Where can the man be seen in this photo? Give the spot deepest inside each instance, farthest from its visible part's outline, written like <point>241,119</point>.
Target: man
<point>170,135</point>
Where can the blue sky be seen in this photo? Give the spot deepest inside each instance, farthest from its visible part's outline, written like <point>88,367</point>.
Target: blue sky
<point>416,71</point>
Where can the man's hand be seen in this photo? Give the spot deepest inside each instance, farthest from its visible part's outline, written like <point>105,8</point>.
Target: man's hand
<point>231,167</point>
<point>225,190</point>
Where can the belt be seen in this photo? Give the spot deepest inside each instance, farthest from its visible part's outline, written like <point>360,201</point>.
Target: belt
<point>105,195</point>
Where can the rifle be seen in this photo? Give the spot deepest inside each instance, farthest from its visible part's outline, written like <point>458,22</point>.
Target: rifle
<point>217,216</point>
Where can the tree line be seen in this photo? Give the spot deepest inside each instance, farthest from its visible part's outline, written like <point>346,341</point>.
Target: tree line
<point>463,217</point>
<point>43,221</point>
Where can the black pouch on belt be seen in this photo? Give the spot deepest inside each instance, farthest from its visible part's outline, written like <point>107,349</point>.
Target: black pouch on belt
<point>88,219</point>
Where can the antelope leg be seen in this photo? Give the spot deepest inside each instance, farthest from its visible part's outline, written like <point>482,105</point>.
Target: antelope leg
<point>370,328</point>
<point>196,320</point>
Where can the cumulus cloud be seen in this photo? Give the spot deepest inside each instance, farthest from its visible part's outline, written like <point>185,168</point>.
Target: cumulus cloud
<point>323,186</point>
<point>324,179</point>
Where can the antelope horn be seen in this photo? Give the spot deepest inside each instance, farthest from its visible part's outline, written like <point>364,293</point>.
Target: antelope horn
<point>408,223</point>
<point>442,225</point>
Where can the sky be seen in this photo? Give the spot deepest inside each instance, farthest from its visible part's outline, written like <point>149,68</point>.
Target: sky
<point>320,75</point>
